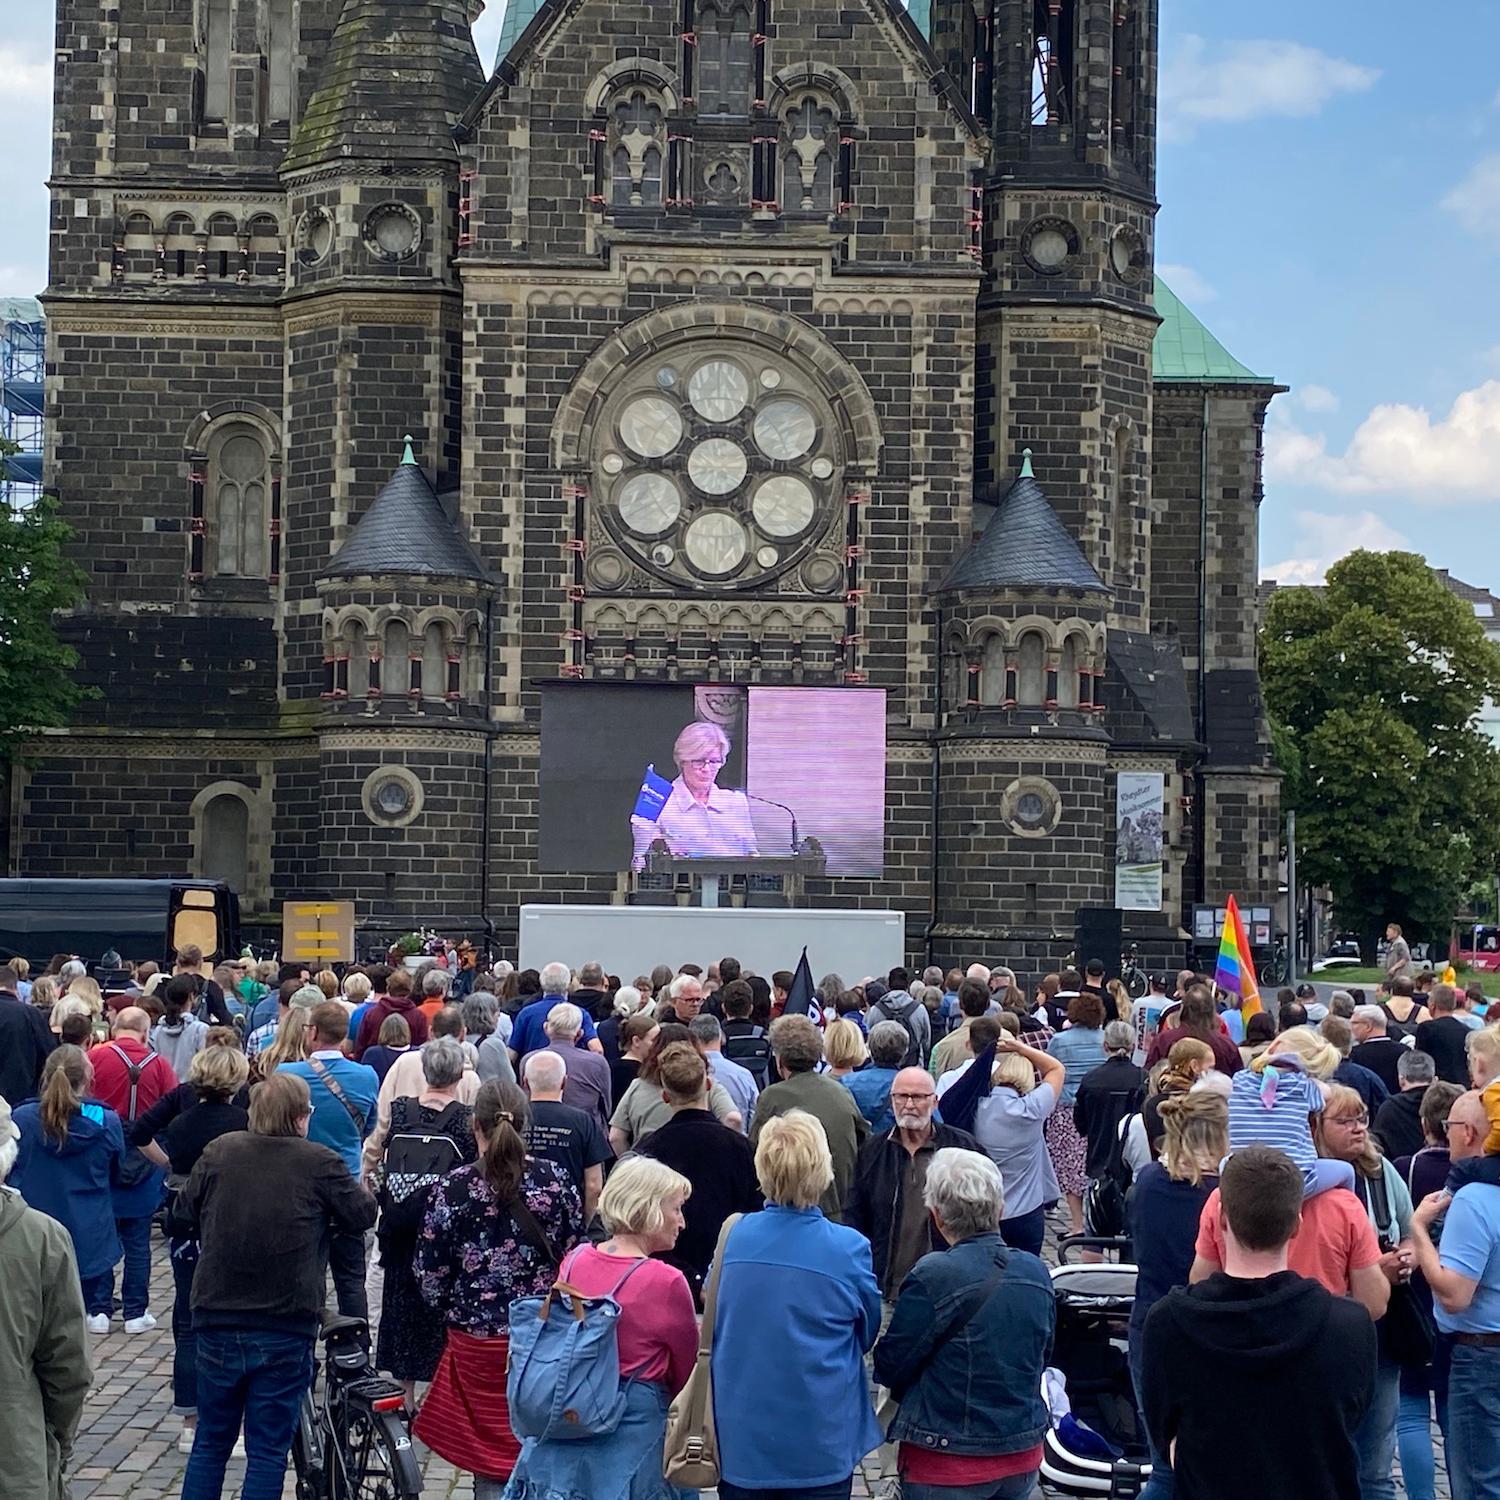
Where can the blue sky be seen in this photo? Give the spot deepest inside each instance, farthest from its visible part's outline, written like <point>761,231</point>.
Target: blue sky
<point>1330,176</point>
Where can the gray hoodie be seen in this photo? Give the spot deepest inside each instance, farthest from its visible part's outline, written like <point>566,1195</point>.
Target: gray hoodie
<point>179,1042</point>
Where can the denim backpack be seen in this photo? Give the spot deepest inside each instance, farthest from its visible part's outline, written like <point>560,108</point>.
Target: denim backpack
<point>564,1375</point>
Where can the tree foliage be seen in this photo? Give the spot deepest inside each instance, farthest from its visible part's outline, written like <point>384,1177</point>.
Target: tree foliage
<point>1374,683</point>
<point>37,690</point>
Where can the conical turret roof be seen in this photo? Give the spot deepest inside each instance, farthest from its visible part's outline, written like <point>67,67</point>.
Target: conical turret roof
<point>407,531</point>
<point>395,79</point>
<point>1024,546</point>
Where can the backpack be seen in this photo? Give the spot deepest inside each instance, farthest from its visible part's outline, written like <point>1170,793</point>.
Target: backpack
<point>913,1058</point>
<point>563,1379</point>
<point>136,1166</point>
<point>752,1052</point>
<point>416,1156</point>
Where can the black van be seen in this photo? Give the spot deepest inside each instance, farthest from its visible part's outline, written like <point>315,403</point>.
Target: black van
<point>139,919</point>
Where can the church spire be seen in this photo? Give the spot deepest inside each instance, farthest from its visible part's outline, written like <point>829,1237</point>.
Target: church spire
<point>396,78</point>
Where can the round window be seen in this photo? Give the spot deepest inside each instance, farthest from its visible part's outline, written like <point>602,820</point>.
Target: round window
<point>717,463</point>
<point>1030,809</point>
<point>392,796</point>
<point>716,543</point>
<point>718,390</point>
<point>1050,247</point>
<point>651,426</point>
<point>717,466</point>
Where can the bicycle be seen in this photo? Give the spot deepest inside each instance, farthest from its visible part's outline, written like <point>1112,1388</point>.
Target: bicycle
<point>1132,976</point>
<point>1275,969</point>
<point>354,1442</point>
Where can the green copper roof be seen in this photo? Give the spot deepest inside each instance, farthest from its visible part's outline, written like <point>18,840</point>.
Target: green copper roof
<point>1186,350</point>
<point>518,14</point>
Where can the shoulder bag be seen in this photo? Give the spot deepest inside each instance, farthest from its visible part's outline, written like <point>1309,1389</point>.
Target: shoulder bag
<point>690,1450</point>
<point>1407,1333</point>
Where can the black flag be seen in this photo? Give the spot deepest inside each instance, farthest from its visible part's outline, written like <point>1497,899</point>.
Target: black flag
<point>802,998</point>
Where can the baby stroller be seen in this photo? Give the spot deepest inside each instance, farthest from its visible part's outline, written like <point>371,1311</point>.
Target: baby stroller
<point>1091,1352</point>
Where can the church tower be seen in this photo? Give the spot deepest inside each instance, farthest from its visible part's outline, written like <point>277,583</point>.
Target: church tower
<point>1065,319</point>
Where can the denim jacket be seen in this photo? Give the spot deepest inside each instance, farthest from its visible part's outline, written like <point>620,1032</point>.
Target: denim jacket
<point>969,1381</point>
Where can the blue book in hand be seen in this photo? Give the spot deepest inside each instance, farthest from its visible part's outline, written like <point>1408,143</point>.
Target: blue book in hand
<point>653,795</point>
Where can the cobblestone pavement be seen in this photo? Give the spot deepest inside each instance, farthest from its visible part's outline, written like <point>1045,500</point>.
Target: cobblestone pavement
<point>127,1444</point>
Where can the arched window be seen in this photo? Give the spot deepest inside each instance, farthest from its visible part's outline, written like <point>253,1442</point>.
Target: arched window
<point>636,135</point>
<point>992,672</point>
<point>435,662</point>
<point>1068,667</point>
<point>180,243</point>
<point>724,58</point>
<point>226,841</point>
<point>1032,671</point>
<point>395,669</point>
<point>223,248</point>
<point>473,665</point>
<point>809,145</point>
<point>239,487</point>
<point>265,249</point>
<point>356,648</point>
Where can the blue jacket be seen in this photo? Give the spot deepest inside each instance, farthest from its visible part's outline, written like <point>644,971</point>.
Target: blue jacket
<point>798,1307</point>
<point>332,1124</point>
<point>969,1376</point>
<point>71,1181</point>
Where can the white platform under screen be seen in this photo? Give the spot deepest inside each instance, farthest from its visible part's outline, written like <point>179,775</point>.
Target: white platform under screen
<point>631,940</point>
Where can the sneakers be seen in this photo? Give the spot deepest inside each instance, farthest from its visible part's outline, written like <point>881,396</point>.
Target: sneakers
<point>143,1324</point>
<point>98,1322</point>
<point>185,1439</point>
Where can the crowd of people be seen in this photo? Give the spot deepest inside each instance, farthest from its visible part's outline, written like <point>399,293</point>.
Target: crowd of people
<point>857,1181</point>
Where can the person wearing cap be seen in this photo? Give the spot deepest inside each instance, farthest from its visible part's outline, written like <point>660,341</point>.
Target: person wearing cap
<point>44,1360</point>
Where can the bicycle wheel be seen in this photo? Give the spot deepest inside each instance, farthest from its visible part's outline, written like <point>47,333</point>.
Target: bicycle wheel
<point>374,1460</point>
<point>308,1453</point>
<point>1136,983</point>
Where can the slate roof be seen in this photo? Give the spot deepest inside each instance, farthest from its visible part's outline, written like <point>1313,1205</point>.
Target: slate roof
<point>1185,350</point>
<point>1024,546</point>
<point>397,76</point>
<point>407,531</point>
<point>1147,686</point>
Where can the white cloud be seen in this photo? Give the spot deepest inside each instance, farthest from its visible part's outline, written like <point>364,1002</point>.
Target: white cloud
<point>1400,449</point>
<point>1187,283</point>
<point>1322,539</point>
<point>1316,398</point>
<point>1475,202</point>
<point>27,74</point>
<point>1231,82</point>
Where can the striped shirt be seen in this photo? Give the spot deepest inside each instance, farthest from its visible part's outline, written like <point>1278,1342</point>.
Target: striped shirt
<point>261,1038</point>
<point>1262,1116</point>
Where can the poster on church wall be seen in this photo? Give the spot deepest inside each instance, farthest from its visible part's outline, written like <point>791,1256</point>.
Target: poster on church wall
<point>1138,840</point>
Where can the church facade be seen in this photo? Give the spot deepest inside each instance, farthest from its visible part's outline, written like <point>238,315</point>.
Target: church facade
<point>714,340</point>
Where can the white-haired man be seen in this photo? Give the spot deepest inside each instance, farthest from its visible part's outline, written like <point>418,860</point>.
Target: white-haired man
<point>587,1086</point>
<point>569,1137</point>
<point>684,999</point>
<point>44,1356</point>
<point>530,1030</point>
<point>1373,1047</point>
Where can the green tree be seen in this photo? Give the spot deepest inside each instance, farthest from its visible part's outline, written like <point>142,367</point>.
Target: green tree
<point>1374,683</point>
<point>37,690</point>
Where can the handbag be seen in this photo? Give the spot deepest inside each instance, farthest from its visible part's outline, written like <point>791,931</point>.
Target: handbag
<point>1407,1333</point>
<point>690,1449</point>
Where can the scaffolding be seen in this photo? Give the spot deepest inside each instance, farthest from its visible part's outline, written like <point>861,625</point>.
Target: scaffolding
<point>22,363</point>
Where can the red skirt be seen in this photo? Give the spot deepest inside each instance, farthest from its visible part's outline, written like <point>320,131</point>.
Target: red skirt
<point>465,1418</point>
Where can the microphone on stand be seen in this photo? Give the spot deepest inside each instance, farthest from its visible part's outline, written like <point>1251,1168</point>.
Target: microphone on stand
<point>796,842</point>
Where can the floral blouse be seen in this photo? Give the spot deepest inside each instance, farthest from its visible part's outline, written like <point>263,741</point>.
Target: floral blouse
<point>473,1260</point>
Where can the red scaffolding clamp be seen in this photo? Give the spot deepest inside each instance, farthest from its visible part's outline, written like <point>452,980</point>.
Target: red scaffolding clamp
<point>576,544</point>
<point>577,593</point>
<point>859,497</point>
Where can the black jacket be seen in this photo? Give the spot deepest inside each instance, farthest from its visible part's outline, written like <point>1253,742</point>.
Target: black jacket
<point>874,1203</point>
<point>1380,1055</point>
<point>1106,1095</point>
<point>1281,1333</point>
<point>25,1044</point>
<point>1398,1124</point>
<point>264,1207</point>
<point>1445,1040</point>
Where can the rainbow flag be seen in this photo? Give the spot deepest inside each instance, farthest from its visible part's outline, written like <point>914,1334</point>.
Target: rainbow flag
<point>1235,971</point>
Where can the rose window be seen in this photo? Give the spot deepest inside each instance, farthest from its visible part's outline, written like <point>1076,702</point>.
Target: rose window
<point>717,467</point>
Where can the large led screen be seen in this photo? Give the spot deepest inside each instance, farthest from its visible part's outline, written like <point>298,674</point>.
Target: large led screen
<point>713,771</point>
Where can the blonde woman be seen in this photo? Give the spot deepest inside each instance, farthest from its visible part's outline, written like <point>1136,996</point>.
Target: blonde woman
<point>1009,1125</point>
<point>699,819</point>
<point>844,1049</point>
<point>87,990</point>
<point>641,1206</point>
<point>798,1308</point>
<point>1165,1202</point>
<point>1274,1100</point>
<point>288,1045</point>
<point>44,992</point>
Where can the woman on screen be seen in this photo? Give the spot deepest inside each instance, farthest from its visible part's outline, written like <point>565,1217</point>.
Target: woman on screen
<point>699,820</point>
